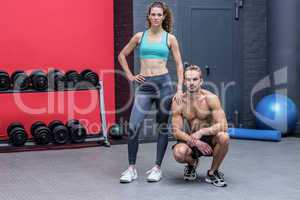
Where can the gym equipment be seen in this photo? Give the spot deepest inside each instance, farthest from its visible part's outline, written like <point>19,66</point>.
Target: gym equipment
<point>77,131</point>
<point>103,138</point>
<point>20,80</point>
<point>242,133</point>
<point>17,134</point>
<point>41,133</point>
<point>56,80</point>
<point>60,132</point>
<point>102,115</point>
<point>72,77</point>
<point>5,81</point>
<point>39,80</point>
<point>116,131</point>
<point>276,112</point>
<point>90,76</point>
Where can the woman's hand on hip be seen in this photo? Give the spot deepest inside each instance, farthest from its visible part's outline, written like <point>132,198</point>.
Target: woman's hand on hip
<point>137,78</point>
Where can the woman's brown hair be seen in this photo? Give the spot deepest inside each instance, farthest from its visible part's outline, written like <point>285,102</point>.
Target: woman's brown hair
<point>168,21</point>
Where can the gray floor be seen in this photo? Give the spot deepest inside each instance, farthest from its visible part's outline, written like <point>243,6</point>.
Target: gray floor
<point>253,169</point>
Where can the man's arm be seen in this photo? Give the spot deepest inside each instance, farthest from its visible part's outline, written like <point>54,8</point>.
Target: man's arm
<point>218,118</point>
<point>177,123</point>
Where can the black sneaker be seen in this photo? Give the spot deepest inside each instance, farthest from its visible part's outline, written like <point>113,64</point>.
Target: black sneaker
<point>217,179</point>
<point>190,172</point>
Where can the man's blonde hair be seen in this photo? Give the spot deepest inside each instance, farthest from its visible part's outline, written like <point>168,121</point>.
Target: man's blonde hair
<point>193,67</point>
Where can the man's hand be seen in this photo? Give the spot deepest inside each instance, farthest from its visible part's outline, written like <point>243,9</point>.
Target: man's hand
<point>191,142</point>
<point>197,135</point>
<point>204,148</point>
<point>194,138</point>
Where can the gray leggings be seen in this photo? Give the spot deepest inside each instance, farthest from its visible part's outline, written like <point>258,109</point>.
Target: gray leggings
<point>158,90</point>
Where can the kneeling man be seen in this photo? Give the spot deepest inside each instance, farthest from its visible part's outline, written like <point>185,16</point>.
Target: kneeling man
<point>207,135</point>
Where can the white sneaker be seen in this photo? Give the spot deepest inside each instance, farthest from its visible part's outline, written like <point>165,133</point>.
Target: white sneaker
<point>155,175</point>
<point>128,176</point>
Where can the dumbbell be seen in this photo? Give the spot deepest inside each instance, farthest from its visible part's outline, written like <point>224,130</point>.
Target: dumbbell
<point>39,80</point>
<point>90,77</point>
<point>72,77</point>
<point>41,133</point>
<point>116,131</point>
<point>20,80</point>
<point>5,81</point>
<point>16,134</point>
<point>60,132</point>
<point>76,130</point>
<point>56,79</point>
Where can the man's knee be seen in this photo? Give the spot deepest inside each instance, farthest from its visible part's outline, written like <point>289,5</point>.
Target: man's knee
<point>223,138</point>
<point>180,153</point>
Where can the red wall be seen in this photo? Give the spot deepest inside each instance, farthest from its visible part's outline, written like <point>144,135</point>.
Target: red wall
<point>64,34</point>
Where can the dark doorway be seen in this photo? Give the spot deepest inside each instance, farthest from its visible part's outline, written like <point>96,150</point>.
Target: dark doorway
<point>209,37</point>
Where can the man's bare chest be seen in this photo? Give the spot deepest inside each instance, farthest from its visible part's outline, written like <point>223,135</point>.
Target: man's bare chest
<point>196,110</point>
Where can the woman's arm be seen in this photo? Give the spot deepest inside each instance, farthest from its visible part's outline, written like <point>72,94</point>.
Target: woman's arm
<point>134,41</point>
<point>177,57</point>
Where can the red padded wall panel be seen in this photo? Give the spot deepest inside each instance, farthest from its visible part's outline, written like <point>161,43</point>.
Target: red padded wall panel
<point>64,34</point>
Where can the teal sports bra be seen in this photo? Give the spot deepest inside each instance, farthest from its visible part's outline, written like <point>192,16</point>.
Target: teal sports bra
<point>154,50</point>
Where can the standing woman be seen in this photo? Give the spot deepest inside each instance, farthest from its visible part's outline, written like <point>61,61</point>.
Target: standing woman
<point>154,84</point>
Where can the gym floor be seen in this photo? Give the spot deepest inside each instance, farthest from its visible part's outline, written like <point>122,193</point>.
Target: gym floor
<point>253,169</point>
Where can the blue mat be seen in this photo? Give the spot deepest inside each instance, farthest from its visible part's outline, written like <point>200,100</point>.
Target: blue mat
<point>254,134</point>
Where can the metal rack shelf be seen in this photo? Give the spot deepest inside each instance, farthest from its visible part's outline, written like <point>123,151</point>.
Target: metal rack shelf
<point>101,137</point>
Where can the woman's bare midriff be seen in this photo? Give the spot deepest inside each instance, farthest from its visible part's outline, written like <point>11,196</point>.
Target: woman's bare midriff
<point>153,67</point>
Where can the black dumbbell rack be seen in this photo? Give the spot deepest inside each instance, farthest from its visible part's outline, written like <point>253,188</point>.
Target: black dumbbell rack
<point>91,140</point>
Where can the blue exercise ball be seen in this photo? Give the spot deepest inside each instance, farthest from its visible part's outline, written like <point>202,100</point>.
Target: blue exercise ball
<point>276,112</point>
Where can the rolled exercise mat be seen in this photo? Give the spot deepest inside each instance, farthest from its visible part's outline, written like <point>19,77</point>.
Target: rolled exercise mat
<point>254,134</point>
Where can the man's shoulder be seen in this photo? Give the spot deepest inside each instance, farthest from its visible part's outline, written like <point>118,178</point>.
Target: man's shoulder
<point>209,96</point>
<point>208,93</point>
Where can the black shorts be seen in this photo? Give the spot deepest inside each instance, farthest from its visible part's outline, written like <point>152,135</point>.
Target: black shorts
<point>195,152</point>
